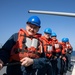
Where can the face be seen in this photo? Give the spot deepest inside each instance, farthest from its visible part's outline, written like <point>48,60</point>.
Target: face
<point>32,29</point>
<point>54,38</point>
<point>67,42</point>
<point>47,35</point>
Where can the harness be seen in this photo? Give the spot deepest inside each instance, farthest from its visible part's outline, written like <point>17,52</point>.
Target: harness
<point>26,46</point>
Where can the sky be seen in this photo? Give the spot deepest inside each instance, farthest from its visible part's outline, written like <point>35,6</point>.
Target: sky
<point>14,15</point>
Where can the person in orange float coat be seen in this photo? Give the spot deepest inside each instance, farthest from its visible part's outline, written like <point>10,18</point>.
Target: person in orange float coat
<point>48,49</point>
<point>64,59</point>
<point>58,50</point>
<point>69,50</point>
<point>23,51</point>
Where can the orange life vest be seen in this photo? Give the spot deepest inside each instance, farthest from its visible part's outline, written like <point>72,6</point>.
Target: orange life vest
<point>63,48</point>
<point>56,46</point>
<point>48,48</point>
<point>21,49</point>
<point>68,45</point>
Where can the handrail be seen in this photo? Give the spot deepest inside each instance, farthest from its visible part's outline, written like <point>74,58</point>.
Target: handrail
<point>52,13</point>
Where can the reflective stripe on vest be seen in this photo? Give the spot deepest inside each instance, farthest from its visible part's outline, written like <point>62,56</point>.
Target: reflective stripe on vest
<point>56,46</point>
<point>49,48</point>
<point>34,43</point>
<point>28,42</point>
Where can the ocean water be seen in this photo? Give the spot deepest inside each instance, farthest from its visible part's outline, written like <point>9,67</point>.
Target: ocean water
<point>73,53</point>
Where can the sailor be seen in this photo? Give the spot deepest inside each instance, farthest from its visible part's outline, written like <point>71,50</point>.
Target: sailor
<point>48,49</point>
<point>58,49</point>
<point>69,50</point>
<point>25,49</point>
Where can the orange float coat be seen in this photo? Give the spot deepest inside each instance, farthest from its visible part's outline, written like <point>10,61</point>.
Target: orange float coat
<point>69,47</point>
<point>20,50</point>
<point>48,48</point>
<point>56,45</point>
<point>63,48</point>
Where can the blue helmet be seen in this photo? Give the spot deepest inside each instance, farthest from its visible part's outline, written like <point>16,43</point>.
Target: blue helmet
<point>53,34</point>
<point>48,30</point>
<point>67,40</point>
<point>34,20</point>
<point>64,40</point>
